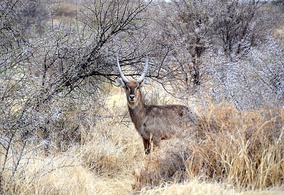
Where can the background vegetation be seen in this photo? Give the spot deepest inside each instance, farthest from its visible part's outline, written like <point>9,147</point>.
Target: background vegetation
<point>64,127</point>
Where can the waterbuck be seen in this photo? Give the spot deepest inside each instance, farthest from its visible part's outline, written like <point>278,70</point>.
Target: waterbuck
<point>153,122</point>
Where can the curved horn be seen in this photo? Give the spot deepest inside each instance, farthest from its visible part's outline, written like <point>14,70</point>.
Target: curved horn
<point>142,77</point>
<point>120,71</point>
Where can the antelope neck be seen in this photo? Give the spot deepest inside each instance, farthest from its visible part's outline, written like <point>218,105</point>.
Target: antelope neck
<point>137,114</point>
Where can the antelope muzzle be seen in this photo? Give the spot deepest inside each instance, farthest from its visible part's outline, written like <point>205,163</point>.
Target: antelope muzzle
<point>131,97</point>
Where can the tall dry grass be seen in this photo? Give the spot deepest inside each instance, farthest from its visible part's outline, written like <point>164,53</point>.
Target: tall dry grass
<point>241,148</point>
<point>245,148</point>
<point>233,152</point>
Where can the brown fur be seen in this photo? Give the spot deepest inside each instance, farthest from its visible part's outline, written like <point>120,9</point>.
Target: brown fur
<point>155,123</point>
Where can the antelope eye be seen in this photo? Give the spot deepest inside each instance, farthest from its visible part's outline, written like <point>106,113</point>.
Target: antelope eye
<point>127,88</point>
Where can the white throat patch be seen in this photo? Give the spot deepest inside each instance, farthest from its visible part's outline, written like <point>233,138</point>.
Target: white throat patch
<point>132,106</point>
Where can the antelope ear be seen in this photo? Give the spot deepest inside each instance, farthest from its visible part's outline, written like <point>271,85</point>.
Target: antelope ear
<point>142,83</point>
<point>119,83</point>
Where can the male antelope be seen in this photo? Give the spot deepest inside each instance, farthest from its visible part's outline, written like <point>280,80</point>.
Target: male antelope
<point>154,123</point>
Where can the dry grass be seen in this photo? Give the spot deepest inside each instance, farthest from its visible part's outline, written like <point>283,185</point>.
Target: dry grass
<point>245,148</point>
<point>197,187</point>
<point>234,152</point>
<point>242,148</point>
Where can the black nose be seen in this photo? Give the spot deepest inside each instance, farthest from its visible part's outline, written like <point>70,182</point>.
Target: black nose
<point>132,96</point>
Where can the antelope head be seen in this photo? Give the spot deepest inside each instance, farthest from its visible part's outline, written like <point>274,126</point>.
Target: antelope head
<point>132,88</point>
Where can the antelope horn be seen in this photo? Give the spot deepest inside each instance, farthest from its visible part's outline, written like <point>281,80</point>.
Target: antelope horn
<point>142,77</point>
<point>120,71</point>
